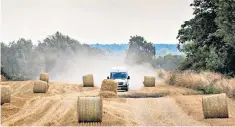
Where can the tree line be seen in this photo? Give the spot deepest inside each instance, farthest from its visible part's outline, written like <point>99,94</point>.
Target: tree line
<point>21,60</point>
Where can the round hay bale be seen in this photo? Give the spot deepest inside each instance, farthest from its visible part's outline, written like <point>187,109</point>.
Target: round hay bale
<point>3,78</point>
<point>89,109</point>
<point>88,80</point>
<point>215,106</point>
<point>109,85</point>
<point>44,77</point>
<point>149,81</point>
<point>5,94</point>
<point>108,94</point>
<point>40,87</point>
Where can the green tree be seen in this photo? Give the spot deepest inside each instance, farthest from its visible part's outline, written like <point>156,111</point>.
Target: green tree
<point>204,49</point>
<point>140,51</point>
<point>226,22</point>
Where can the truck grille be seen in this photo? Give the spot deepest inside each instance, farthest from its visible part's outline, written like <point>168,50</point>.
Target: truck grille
<point>120,83</point>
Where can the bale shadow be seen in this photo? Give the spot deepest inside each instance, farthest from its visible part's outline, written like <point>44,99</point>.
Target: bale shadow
<point>143,95</point>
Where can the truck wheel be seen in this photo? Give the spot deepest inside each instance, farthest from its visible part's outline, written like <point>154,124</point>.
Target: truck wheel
<point>127,88</point>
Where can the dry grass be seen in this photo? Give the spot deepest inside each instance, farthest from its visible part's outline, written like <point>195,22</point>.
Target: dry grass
<point>90,109</point>
<point>231,83</point>
<point>188,80</point>
<point>3,78</point>
<point>232,93</point>
<point>206,82</point>
<point>161,73</point>
<point>5,94</point>
<point>215,106</point>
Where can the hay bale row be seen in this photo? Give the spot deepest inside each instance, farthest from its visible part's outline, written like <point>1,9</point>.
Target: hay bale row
<point>40,86</point>
<point>215,106</point>
<point>88,80</point>
<point>149,81</point>
<point>5,94</point>
<point>89,109</point>
<point>44,77</point>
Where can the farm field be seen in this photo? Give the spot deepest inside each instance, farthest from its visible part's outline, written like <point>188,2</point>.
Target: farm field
<point>160,105</point>
<point>117,63</point>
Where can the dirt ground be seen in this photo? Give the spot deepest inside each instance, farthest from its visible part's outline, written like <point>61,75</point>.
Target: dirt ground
<point>169,106</point>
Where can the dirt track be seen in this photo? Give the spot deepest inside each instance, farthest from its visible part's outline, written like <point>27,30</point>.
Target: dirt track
<point>178,106</point>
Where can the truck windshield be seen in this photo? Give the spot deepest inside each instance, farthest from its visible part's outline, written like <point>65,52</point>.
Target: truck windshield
<point>118,75</point>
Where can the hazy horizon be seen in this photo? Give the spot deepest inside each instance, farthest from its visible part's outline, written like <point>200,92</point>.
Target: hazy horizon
<point>94,21</point>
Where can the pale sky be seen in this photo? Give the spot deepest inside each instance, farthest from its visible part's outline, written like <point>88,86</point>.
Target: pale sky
<point>94,21</point>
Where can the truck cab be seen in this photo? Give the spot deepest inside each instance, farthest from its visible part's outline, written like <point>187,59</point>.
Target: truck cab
<point>120,75</point>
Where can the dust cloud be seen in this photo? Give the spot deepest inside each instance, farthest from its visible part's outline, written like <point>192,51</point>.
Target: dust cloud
<point>70,69</point>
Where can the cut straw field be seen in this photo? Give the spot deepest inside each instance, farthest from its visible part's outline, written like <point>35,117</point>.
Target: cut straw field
<point>58,106</point>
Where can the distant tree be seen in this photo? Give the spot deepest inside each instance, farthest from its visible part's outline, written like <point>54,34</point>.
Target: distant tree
<point>18,60</point>
<point>140,51</point>
<point>59,45</point>
<point>5,59</point>
<point>168,62</point>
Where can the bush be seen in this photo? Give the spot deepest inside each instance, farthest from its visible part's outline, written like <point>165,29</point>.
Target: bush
<point>172,79</point>
<point>161,74</point>
<point>209,90</point>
